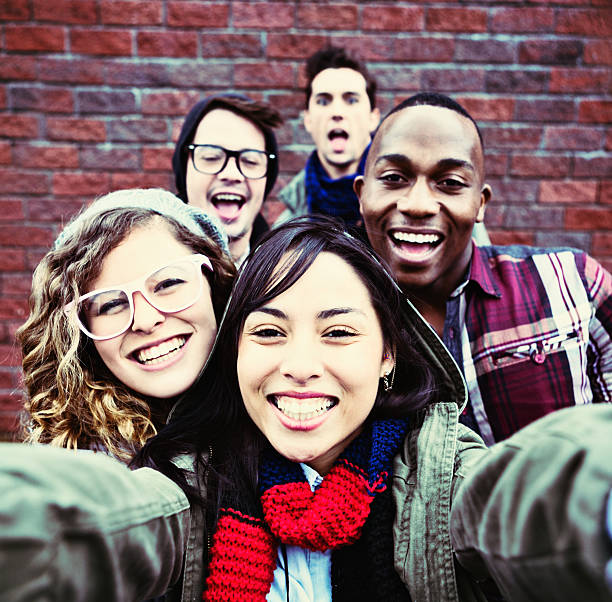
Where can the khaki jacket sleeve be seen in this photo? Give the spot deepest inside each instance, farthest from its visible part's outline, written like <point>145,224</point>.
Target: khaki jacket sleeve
<point>531,512</point>
<point>81,526</point>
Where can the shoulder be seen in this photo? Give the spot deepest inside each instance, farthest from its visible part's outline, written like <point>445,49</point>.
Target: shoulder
<point>294,189</point>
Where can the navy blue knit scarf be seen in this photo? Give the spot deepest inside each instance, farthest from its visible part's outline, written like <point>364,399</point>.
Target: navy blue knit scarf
<point>332,197</point>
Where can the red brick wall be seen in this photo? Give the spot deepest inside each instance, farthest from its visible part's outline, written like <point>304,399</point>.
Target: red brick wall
<point>92,94</point>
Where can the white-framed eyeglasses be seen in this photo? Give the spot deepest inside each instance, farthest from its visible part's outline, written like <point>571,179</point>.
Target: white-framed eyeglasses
<point>108,312</point>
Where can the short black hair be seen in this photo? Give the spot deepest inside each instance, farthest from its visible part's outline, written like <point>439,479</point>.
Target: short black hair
<point>334,57</point>
<point>435,99</point>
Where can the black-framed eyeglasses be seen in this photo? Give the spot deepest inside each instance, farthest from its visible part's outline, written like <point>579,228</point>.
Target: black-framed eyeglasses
<point>212,159</point>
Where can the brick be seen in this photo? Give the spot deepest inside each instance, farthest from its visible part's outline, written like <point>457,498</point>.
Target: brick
<point>495,163</point>
<point>25,236</point>
<point>2,97</point>
<point>380,47</point>
<point>522,20</point>
<point>53,210</point>
<point>132,12</point>
<point>12,260</point>
<point>550,52</point>
<point>535,109</point>
<point>579,80</point>
<point>516,81</point>
<point>6,156</point>
<point>9,354</point>
<point>200,14</point>
<point>588,219</point>
<point>572,138</point>
<point>605,193</point>
<point>157,158</point>
<point>398,77</point>
<point>75,129</point>
<point>263,15</point>
<point>539,165</point>
<point>533,217</point>
<point>329,16</point>
<point>293,46</point>
<point>589,23</point>
<point>16,285</point>
<point>18,181</point>
<point>420,49</point>
<point>110,158</point>
<point>226,45</point>
<point>453,80</point>
<point>46,100</point>
<point>393,18</point>
<point>9,379</point>
<point>138,130</point>
<point>593,165</point>
<point>608,144</point>
<point>11,210</point>
<point>205,74</point>
<point>597,52</point>
<point>577,240</point>
<point>270,74</point>
<point>595,111</point>
<point>568,191</point>
<point>511,237</point>
<point>485,51</point>
<point>288,103</point>
<point>34,38</point>
<point>18,68</point>
<point>71,71</point>
<point>65,11</point>
<point>45,156</point>
<point>141,180</point>
<point>9,425</point>
<point>15,10</point>
<point>601,243</point>
<point>272,209</point>
<point>102,101</point>
<point>461,20</point>
<point>293,161</point>
<point>115,42</point>
<point>80,184</point>
<point>168,103</point>
<point>512,137</point>
<point>18,126</point>
<point>162,43</point>
<point>485,108</point>
<point>514,191</point>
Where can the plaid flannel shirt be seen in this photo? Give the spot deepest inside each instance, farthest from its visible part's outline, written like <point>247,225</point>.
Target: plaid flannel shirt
<point>532,330</point>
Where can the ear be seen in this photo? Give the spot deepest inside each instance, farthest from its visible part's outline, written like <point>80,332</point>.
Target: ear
<point>485,197</point>
<point>306,119</point>
<point>388,361</point>
<point>374,119</point>
<point>358,183</point>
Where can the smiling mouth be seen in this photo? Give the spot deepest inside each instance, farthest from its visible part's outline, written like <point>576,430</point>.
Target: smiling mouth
<point>303,409</point>
<point>411,241</point>
<point>157,354</point>
<point>228,205</point>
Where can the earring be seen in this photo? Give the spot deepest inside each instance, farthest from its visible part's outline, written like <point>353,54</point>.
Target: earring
<point>388,379</point>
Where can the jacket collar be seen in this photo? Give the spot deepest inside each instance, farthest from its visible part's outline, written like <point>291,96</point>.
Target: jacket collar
<point>481,272</point>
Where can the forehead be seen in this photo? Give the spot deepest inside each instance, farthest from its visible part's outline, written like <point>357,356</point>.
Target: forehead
<point>425,131</point>
<point>226,128</point>
<point>338,81</point>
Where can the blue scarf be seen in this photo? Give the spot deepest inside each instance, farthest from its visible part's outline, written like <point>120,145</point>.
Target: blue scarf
<point>332,197</point>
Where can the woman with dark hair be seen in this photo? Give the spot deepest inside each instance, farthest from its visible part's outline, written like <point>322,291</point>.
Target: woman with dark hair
<point>323,460</point>
<point>226,162</point>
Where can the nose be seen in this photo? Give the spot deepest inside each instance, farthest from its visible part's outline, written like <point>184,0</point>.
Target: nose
<point>337,109</point>
<point>146,317</point>
<point>418,200</point>
<point>230,172</point>
<point>302,361</point>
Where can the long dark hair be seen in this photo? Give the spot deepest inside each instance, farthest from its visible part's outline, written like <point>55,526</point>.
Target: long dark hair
<point>219,420</point>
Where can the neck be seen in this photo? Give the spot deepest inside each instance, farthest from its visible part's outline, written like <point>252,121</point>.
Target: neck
<point>239,246</point>
<point>336,171</point>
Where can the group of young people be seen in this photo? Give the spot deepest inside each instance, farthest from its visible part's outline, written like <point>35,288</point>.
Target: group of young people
<point>300,437</point>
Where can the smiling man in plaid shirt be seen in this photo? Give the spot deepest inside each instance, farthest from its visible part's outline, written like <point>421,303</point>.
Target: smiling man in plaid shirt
<point>530,327</point>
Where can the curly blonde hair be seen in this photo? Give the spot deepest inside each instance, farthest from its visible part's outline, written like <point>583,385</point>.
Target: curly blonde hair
<point>74,401</point>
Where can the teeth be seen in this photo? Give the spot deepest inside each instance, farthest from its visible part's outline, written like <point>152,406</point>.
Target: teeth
<point>228,197</point>
<point>304,409</point>
<point>159,353</point>
<point>416,238</point>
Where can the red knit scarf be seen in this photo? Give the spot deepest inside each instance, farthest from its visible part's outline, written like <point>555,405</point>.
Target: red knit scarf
<point>244,551</point>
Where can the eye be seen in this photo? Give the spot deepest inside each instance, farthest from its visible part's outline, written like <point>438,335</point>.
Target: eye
<point>267,332</point>
<point>111,307</point>
<point>392,178</point>
<point>339,333</point>
<point>167,284</point>
<point>322,101</point>
<point>451,184</point>
<point>352,100</point>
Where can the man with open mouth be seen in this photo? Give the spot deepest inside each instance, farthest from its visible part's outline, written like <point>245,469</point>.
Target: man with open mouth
<point>226,162</point>
<point>340,116</point>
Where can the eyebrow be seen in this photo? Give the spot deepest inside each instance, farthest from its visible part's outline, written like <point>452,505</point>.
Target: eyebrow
<point>322,315</point>
<point>448,163</point>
